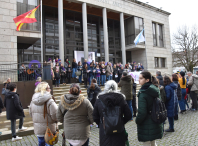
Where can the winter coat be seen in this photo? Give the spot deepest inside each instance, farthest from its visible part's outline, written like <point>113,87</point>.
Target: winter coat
<point>96,91</point>
<point>14,108</point>
<point>7,85</point>
<point>80,67</point>
<point>66,65</point>
<point>91,69</point>
<point>147,130</point>
<point>37,113</point>
<point>115,71</point>
<point>58,69</point>
<point>109,70</point>
<point>161,81</point>
<point>120,72</point>
<point>115,99</point>
<point>56,75</point>
<point>162,93</point>
<point>178,90</point>
<point>170,99</point>
<point>193,81</point>
<point>76,113</point>
<point>126,85</point>
<point>134,89</point>
<point>74,65</point>
<point>85,73</point>
<point>103,69</point>
<point>1,104</point>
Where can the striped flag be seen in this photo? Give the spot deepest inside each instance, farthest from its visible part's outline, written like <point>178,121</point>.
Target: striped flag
<point>140,38</point>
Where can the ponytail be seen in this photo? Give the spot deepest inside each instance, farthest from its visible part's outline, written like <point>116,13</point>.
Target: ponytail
<point>183,80</point>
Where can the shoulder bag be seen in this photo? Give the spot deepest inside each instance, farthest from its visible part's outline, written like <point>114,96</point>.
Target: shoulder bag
<point>4,90</point>
<point>50,138</point>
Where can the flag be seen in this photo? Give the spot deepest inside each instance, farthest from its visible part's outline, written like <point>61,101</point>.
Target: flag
<point>28,17</point>
<point>140,38</point>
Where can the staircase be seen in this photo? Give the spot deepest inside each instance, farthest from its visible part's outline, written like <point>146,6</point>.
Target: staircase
<point>57,92</point>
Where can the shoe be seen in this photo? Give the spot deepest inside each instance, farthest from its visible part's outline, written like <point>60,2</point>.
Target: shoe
<point>17,138</point>
<point>22,129</point>
<point>176,117</point>
<point>170,130</point>
<point>193,109</point>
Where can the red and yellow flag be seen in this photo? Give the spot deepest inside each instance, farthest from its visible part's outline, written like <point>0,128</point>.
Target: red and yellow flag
<point>28,17</point>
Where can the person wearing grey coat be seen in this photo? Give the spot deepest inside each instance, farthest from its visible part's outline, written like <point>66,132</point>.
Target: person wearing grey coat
<point>193,81</point>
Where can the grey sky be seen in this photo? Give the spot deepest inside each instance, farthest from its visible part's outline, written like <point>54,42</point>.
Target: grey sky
<point>183,12</point>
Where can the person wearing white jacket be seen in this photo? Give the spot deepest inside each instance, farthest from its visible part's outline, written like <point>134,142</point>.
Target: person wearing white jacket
<point>41,96</point>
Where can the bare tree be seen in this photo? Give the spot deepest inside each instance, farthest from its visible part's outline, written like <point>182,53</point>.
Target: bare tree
<point>185,46</point>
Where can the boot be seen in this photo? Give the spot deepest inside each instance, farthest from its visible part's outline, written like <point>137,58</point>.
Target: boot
<point>134,114</point>
<point>176,117</point>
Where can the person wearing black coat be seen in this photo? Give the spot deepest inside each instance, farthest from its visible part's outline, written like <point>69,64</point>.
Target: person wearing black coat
<point>14,110</point>
<point>110,97</point>
<point>134,99</point>
<point>69,73</point>
<point>7,84</point>
<point>120,71</point>
<point>115,73</point>
<point>160,78</point>
<point>1,107</point>
<point>85,74</point>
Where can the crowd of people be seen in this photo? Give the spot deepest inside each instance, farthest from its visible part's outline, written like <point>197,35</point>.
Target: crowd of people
<point>78,113</point>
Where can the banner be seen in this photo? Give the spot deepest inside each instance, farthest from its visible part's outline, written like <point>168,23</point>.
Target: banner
<point>79,56</point>
<point>135,76</point>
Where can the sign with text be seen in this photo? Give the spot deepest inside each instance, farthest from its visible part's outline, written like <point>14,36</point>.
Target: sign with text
<point>135,76</point>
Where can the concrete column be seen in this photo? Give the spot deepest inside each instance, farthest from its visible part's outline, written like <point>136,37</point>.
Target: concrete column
<point>61,30</point>
<point>85,38</point>
<point>106,38</point>
<point>123,47</point>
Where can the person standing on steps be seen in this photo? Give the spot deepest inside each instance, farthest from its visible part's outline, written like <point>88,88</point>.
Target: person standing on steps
<point>170,89</point>
<point>69,73</point>
<point>147,130</point>
<point>85,74</point>
<point>80,68</point>
<point>14,111</point>
<point>74,68</point>
<point>126,85</point>
<point>41,97</point>
<point>103,74</point>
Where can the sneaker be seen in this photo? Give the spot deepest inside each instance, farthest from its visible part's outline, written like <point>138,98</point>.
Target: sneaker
<point>17,138</point>
<point>22,129</point>
<point>170,130</point>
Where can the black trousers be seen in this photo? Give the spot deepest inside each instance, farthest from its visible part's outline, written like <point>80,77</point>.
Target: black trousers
<point>85,81</point>
<point>193,96</point>
<point>63,77</point>
<point>134,104</point>
<point>69,77</point>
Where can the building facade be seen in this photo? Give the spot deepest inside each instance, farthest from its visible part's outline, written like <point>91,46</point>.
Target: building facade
<point>106,27</point>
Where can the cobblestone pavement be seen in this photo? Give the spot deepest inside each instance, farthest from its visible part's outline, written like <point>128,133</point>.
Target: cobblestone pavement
<point>186,134</point>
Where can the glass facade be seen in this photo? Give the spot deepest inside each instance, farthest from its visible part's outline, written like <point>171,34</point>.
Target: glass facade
<point>24,6</point>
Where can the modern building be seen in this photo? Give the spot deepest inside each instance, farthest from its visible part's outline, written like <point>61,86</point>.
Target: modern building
<point>106,27</point>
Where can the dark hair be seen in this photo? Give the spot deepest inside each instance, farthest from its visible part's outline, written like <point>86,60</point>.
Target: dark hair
<point>174,77</point>
<point>155,81</point>
<point>146,75</point>
<point>85,65</point>
<point>167,80</point>
<point>124,74</point>
<point>92,84</point>
<point>12,86</point>
<point>158,73</point>
<point>78,63</point>
<point>183,74</point>
<point>75,89</point>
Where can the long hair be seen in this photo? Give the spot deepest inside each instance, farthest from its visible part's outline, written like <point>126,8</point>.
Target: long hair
<point>155,81</point>
<point>85,66</point>
<point>92,87</point>
<point>183,74</point>
<point>167,80</point>
<point>41,87</point>
<point>174,77</point>
<point>146,75</point>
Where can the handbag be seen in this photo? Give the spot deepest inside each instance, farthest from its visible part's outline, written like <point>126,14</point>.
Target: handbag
<point>4,90</point>
<point>50,138</point>
<point>78,73</point>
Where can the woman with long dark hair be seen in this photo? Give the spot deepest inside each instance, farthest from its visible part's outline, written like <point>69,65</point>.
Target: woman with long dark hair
<point>148,131</point>
<point>170,88</point>
<point>182,83</point>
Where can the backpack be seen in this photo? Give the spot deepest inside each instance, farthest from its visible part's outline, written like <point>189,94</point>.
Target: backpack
<point>158,112</point>
<point>112,119</point>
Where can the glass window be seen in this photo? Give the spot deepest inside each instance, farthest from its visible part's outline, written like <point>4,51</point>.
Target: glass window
<point>163,62</point>
<point>154,35</point>
<point>156,62</point>
<point>161,43</point>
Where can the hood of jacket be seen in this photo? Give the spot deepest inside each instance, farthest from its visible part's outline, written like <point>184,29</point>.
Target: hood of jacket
<point>176,83</point>
<point>150,89</point>
<point>127,78</point>
<point>160,78</point>
<point>71,102</point>
<point>10,94</point>
<point>173,85</point>
<point>39,99</point>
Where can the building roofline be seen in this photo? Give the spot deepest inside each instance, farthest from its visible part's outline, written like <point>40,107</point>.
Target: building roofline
<point>149,6</point>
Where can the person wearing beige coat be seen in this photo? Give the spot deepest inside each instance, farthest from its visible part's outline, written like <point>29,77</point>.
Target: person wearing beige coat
<point>41,96</point>
<point>75,112</point>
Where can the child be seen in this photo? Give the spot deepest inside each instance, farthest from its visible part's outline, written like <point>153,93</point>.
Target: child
<point>98,74</point>
<point>69,70</point>
<point>57,78</point>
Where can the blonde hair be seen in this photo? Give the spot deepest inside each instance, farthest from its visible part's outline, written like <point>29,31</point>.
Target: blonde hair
<point>41,87</point>
<point>38,79</point>
<point>6,81</point>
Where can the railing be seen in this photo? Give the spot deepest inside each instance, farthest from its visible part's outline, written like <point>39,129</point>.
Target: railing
<point>29,72</point>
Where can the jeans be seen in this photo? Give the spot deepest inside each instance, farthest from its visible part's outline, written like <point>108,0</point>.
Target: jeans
<point>129,102</point>
<point>57,82</point>
<point>73,73</point>
<point>182,101</point>
<point>41,141</point>
<point>103,79</point>
<point>109,77</point>
<point>176,107</point>
<point>13,126</point>
<point>171,122</point>
<point>90,78</point>
<point>193,96</point>
<point>85,144</point>
<point>80,78</point>
<point>150,143</point>
<point>98,80</point>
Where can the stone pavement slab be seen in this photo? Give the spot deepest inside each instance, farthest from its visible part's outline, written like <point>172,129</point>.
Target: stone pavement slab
<point>185,134</point>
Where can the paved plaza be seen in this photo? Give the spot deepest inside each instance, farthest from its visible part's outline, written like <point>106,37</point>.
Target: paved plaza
<point>185,134</point>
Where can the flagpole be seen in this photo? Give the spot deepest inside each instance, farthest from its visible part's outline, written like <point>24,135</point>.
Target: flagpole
<point>145,46</point>
<point>42,38</point>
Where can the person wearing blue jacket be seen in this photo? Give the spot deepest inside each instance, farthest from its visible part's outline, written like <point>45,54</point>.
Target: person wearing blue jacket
<point>170,88</point>
<point>91,72</point>
<point>80,68</point>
